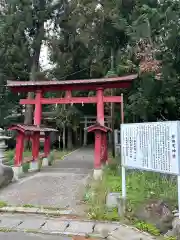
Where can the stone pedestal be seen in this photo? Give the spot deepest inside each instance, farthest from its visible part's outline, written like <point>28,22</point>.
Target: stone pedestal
<point>18,171</point>
<point>45,162</point>
<point>33,166</point>
<point>98,174</point>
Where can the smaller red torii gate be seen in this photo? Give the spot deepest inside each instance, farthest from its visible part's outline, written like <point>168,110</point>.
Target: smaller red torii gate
<point>97,85</point>
<point>32,133</point>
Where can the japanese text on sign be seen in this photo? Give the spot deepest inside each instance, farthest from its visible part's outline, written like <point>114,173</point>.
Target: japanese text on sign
<point>151,146</point>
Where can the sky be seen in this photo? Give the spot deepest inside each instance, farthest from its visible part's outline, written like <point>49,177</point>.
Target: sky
<point>44,61</point>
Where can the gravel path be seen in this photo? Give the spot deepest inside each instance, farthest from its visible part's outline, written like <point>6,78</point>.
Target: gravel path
<point>56,186</point>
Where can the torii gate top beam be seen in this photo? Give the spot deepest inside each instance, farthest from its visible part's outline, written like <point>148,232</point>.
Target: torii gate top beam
<point>85,84</point>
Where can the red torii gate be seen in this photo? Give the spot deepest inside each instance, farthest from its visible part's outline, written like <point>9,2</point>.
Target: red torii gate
<point>98,85</point>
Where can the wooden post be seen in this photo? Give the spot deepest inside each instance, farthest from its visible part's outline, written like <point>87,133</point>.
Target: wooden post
<point>97,150</point>
<point>100,119</point>
<point>85,131</point>
<point>80,135</point>
<point>35,145</point>
<point>105,149</point>
<point>47,145</point>
<point>64,138</point>
<point>19,149</point>
<point>38,109</point>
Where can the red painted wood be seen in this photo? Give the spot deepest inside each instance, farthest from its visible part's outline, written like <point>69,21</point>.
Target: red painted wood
<point>99,127</point>
<point>31,128</point>
<point>61,100</point>
<point>97,150</point>
<point>93,84</point>
<point>35,145</point>
<point>100,148</point>
<point>27,101</point>
<point>68,94</point>
<point>38,109</point>
<point>19,149</point>
<point>47,145</point>
<point>82,87</point>
<point>100,106</point>
<point>72,82</point>
<point>114,99</point>
<point>104,148</point>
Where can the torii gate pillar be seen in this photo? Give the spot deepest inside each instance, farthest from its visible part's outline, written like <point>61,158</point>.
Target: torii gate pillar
<point>100,148</point>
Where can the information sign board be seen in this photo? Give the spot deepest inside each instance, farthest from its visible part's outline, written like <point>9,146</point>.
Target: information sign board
<point>151,146</point>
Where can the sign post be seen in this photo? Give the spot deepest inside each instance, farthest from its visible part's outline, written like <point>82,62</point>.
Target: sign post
<point>151,147</point>
<point>123,170</point>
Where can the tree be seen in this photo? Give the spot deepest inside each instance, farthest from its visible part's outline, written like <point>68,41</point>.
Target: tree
<point>142,35</point>
<point>23,29</point>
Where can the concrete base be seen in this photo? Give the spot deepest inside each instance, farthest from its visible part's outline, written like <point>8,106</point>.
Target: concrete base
<point>97,174</point>
<point>33,166</point>
<point>45,162</point>
<point>18,171</point>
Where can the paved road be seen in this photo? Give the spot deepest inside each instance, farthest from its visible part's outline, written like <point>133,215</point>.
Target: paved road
<point>30,236</point>
<point>58,186</point>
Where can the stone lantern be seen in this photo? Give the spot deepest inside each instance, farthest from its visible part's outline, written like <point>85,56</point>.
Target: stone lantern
<point>2,144</point>
<point>6,172</point>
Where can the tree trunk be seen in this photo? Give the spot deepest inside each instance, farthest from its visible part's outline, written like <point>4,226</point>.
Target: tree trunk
<point>76,137</point>
<point>69,143</point>
<point>36,47</point>
<point>80,135</point>
<point>64,138</point>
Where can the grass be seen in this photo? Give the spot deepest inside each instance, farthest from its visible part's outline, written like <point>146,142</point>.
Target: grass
<point>44,207</point>
<point>9,155</point>
<point>25,167</point>
<point>141,187</point>
<point>58,155</point>
<point>3,204</point>
<point>7,230</point>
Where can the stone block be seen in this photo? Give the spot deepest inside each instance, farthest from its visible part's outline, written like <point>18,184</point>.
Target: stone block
<point>176,227</point>
<point>8,209</point>
<point>31,224</point>
<point>45,162</point>
<point>54,212</point>
<point>33,166</point>
<point>124,232</point>
<point>80,227</point>
<point>104,228</point>
<point>9,223</point>
<point>98,174</point>
<point>26,210</point>
<point>6,175</point>
<point>44,211</point>
<point>55,226</point>
<point>156,212</point>
<point>112,199</point>
<point>64,212</point>
<point>18,171</point>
